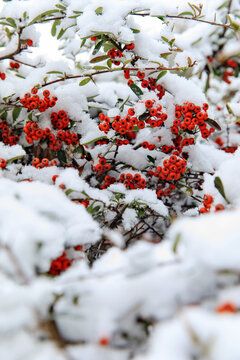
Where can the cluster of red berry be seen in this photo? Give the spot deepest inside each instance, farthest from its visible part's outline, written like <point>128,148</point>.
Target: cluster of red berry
<point>230,64</point>
<point>2,76</point>
<point>190,117</point>
<point>113,54</point>
<point>35,102</point>
<point>14,65</point>
<point>227,149</point>
<point>36,162</point>
<point>102,166</point>
<point>133,181</point>
<point>108,180</point>
<point>60,264</point>
<point>146,82</point>
<point>123,125</point>
<point>7,135</point>
<point>207,204</point>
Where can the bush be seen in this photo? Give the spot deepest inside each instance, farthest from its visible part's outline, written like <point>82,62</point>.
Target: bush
<point>134,124</point>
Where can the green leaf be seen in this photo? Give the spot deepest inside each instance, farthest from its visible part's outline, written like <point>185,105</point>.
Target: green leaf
<point>30,117</point>
<point>144,116</point>
<point>8,32</point>
<point>97,47</point>
<point>11,22</point>
<point>4,23</point>
<point>94,140</point>
<point>62,157</point>
<point>100,67</point>
<point>107,46</point>
<point>42,15</point>
<point>165,39</point>
<point>234,25</point>
<point>109,63</point>
<point>214,124</point>
<point>99,10</point>
<point>15,158</point>
<point>188,13</point>
<point>54,27</point>
<point>219,186</point>
<point>69,191</point>
<point>229,109</point>
<point>165,55</point>
<point>176,242</point>
<point>84,81</point>
<point>118,196</point>
<point>99,58</point>
<point>16,112</point>
<point>22,77</point>
<point>83,42</point>
<point>161,74</point>
<point>151,159</point>
<point>135,31</point>
<point>54,72</point>
<point>136,90</point>
<point>61,32</point>
<point>60,7</point>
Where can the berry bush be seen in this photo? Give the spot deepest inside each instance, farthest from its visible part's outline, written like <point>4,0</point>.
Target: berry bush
<point>119,164</point>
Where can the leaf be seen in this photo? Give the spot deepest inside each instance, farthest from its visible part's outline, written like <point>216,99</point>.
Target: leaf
<point>176,242</point>
<point>161,74</point>
<point>188,13</point>
<point>118,196</point>
<point>99,58</point>
<point>61,32</point>
<point>99,10</point>
<point>9,35</point>
<point>54,27</point>
<point>144,116</point>
<point>60,7</point>
<point>165,55</point>
<point>109,63</point>
<point>15,158</point>
<point>83,42</point>
<point>219,186</point>
<point>84,81</point>
<point>151,159</point>
<point>16,112</point>
<point>214,124</point>
<point>62,157</point>
<point>165,39</point>
<point>100,67</point>
<point>136,90</point>
<point>107,46</point>
<point>42,15</point>
<point>97,47</point>
<point>11,22</point>
<point>135,31</point>
<point>54,72</point>
<point>30,117</point>
<point>68,191</point>
<point>94,140</point>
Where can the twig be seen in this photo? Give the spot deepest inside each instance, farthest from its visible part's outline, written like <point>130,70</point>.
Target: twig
<point>185,18</point>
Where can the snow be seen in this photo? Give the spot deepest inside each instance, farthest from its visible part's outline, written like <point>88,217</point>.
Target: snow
<point>151,286</point>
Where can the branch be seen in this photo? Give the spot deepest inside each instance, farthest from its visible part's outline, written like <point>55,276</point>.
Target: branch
<point>18,50</point>
<point>159,68</point>
<point>184,18</point>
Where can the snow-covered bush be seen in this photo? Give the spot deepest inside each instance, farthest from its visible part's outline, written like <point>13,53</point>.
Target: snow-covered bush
<point>132,123</point>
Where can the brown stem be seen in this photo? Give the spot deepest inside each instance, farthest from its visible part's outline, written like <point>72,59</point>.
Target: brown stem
<point>159,68</point>
<point>18,50</point>
<point>185,18</point>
